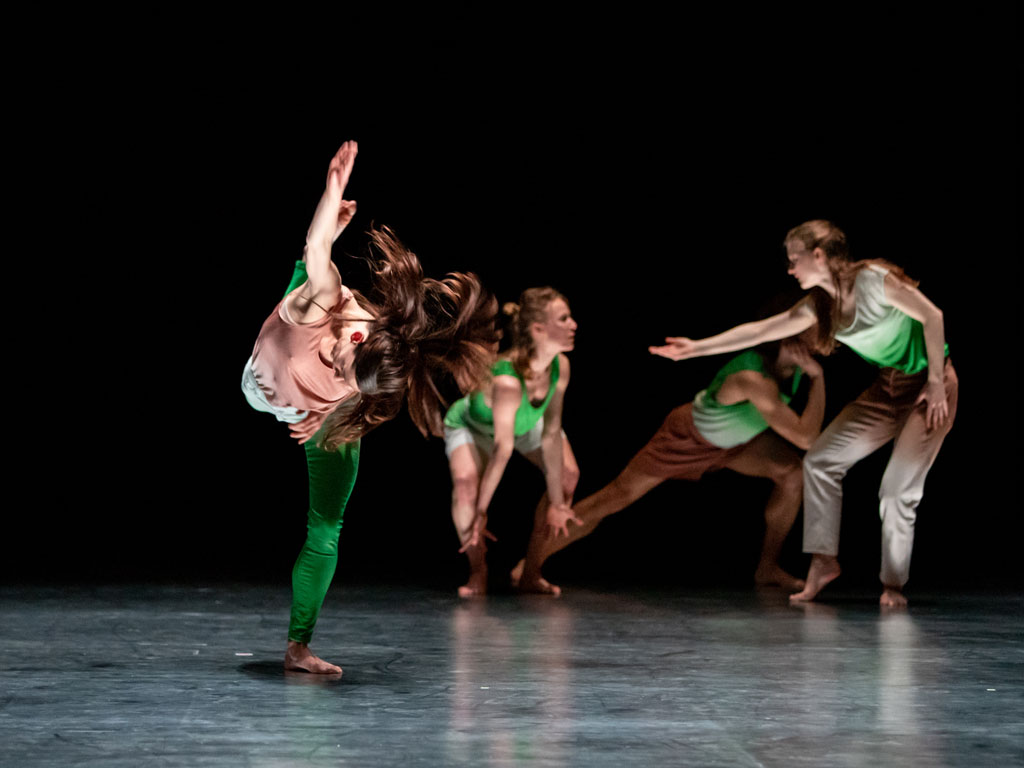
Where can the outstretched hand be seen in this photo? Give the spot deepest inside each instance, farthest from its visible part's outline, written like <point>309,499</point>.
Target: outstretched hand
<point>341,164</point>
<point>478,534</point>
<point>937,411</point>
<point>559,517</point>
<point>676,348</point>
<point>333,213</point>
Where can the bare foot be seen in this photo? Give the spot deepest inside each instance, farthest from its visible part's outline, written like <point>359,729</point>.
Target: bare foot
<point>824,568</point>
<point>892,597</point>
<point>537,585</point>
<point>298,658</point>
<point>773,576</point>
<point>476,586</point>
<point>517,573</point>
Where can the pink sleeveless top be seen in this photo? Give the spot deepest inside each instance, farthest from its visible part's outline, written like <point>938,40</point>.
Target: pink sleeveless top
<point>290,371</point>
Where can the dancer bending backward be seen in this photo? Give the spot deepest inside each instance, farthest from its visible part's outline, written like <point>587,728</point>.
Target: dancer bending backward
<point>333,365</point>
<point>725,427</point>
<point>876,310</point>
<point>521,410</point>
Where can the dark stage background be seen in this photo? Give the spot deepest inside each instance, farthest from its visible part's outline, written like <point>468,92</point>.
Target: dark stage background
<point>649,174</point>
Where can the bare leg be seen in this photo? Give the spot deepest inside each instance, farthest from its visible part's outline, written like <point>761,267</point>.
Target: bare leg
<point>768,455</point>
<point>476,585</point>
<point>298,658</point>
<point>824,568</point>
<point>526,575</point>
<point>466,466</point>
<point>630,485</point>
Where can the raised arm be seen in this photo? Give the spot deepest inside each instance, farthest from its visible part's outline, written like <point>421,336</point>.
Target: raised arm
<point>789,323</point>
<point>333,213</point>
<point>910,301</point>
<point>801,430</point>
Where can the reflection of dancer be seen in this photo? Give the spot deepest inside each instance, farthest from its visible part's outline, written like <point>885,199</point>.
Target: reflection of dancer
<point>877,311</point>
<point>324,346</point>
<point>521,410</point>
<point>726,426</point>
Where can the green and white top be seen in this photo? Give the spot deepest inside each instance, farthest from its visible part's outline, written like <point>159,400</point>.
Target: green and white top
<point>880,333</point>
<point>730,425</point>
<point>473,412</point>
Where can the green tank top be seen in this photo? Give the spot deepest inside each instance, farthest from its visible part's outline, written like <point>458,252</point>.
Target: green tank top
<point>473,412</point>
<point>880,333</point>
<point>730,425</point>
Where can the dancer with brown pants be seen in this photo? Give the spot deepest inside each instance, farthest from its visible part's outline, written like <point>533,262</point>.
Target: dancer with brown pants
<point>729,425</point>
<point>877,311</point>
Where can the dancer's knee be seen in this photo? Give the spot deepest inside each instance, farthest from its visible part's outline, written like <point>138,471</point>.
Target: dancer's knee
<point>789,476</point>
<point>464,488</point>
<point>323,532</point>
<point>901,501</point>
<point>819,464</point>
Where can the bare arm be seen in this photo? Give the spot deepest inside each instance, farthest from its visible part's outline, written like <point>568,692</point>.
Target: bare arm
<point>559,513</point>
<point>323,286</point>
<point>506,395</point>
<point>551,441</point>
<point>763,393</point>
<point>789,323</point>
<point>910,301</point>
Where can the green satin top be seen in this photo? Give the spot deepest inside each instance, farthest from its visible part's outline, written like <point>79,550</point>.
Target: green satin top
<point>473,412</point>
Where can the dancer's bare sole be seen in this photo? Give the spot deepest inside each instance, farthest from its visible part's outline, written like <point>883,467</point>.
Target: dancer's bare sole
<point>892,597</point>
<point>298,658</point>
<point>537,585</point>
<point>773,576</point>
<point>824,569</point>
<point>476,586</point>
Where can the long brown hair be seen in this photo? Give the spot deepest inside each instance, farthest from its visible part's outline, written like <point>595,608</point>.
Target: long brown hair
<point>532,308</point>
<point>819,233</point>
<point>422,329</point>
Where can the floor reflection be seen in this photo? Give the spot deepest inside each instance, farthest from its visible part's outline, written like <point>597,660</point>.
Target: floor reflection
<point>511,698</point>
<point>901,687</point>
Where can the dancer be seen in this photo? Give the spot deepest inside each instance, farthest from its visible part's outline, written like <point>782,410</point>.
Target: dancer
<point>876,310</point>
<point>333,365</point>
<point>520,410</point>
<point>725,427</point>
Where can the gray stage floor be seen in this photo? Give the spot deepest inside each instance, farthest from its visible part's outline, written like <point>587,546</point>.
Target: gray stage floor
<point>189,676</point>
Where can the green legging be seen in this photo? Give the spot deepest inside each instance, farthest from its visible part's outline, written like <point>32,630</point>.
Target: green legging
<point>332,475</point>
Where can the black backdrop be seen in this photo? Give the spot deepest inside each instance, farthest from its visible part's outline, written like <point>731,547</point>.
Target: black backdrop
<point>648,173</point>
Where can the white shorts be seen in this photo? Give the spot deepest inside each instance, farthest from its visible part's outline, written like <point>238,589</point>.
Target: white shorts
<point>258,399</point>
<point>525,443</point>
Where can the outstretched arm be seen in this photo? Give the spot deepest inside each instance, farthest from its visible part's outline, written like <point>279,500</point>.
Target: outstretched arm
<point>910,301</point>
<point>789,323</point>
<point>763,392</point>
<point>333,213</point>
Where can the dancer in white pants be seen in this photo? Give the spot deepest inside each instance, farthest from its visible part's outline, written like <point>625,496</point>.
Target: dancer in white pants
<point>877,311</point>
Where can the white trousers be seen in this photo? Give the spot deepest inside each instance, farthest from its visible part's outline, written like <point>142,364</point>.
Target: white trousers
<point>884,412</point>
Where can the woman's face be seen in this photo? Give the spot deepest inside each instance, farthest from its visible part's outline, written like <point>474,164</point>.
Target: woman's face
<point>807,266</point>
<point>559,328</point>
